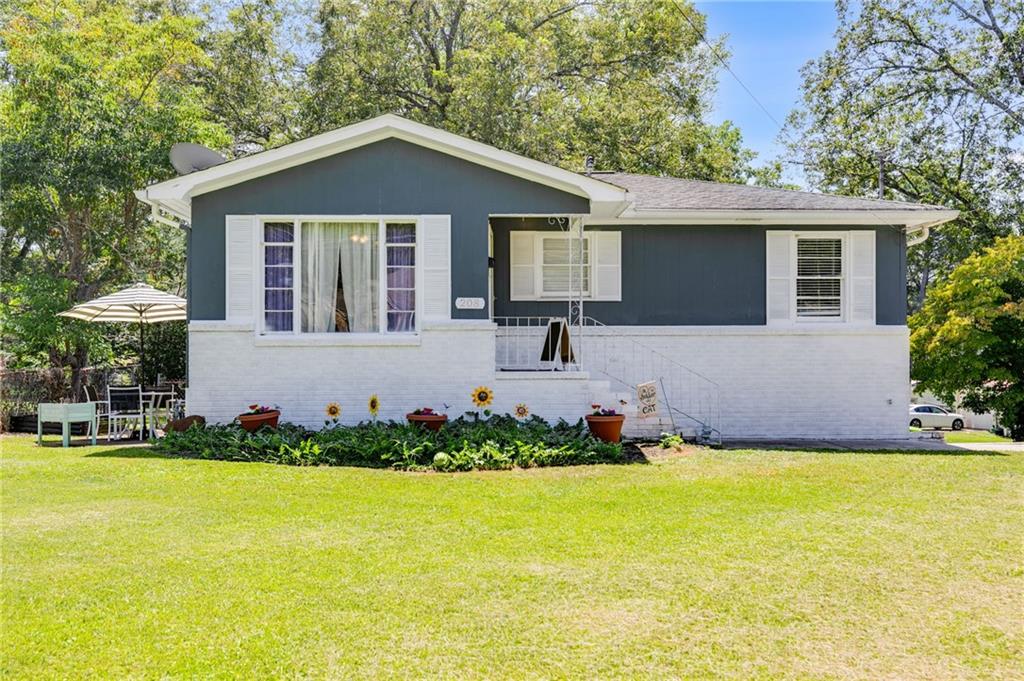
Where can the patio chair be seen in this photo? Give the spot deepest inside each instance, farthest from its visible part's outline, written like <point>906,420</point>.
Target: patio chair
<point>102,406</point>
<point>162,401</point>
<point>125,409</point>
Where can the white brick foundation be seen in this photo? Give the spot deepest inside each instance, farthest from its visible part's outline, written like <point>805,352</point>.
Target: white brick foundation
<point>795,383</point>
<point>775,383</point>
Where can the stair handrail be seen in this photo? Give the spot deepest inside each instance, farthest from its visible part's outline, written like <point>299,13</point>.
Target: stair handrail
<point>713,386</point>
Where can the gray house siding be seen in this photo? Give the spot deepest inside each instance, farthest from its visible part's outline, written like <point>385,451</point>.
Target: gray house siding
<point>391,177</point>
<point>695,275</point>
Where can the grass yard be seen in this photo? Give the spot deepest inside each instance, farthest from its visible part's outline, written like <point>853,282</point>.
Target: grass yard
<point>955,436</point>
<point>734,564</point>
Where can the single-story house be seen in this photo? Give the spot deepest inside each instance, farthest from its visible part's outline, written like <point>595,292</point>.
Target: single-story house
<point>394,259</point>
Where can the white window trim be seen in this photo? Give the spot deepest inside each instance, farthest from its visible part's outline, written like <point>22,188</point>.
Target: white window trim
<point>846,317</point>
<point>844,280</point>
<point>538,268</point>
<point>382,336</point>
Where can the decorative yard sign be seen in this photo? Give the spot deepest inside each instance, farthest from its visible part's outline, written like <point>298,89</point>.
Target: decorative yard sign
<point>647,396</point>
<point>469,303</point>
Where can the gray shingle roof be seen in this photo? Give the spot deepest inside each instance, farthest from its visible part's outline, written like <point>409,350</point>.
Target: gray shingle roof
<point>665,193</point>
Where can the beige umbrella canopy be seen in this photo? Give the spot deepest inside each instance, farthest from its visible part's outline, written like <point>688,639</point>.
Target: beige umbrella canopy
<point>139,303</point>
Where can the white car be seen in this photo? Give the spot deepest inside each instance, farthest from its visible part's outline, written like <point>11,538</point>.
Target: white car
<point>932,416</point>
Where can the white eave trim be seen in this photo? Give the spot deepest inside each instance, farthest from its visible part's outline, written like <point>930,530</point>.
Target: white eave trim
<point>606,199</point>
<point>908,218</point>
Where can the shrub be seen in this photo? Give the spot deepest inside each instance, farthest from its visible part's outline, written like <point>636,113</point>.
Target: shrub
<point>467,443</point>
<point>672,441</point>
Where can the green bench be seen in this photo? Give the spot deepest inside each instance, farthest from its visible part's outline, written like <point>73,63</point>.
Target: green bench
<point>66,414</point>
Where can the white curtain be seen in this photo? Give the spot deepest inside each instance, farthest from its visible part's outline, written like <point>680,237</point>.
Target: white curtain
<point>321,249</point>
<point>359,271</point>
<point>339,256</point>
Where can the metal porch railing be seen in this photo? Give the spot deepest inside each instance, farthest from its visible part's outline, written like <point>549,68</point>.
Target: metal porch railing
<point>690,399</point>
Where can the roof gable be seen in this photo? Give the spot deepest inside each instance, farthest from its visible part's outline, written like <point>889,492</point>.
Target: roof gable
<point>175,195</point>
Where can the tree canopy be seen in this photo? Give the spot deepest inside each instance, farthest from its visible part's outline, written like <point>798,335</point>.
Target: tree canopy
<point>94,95</point>
<point>967,341</point>
<point>627,81</point>
<point>936,89</point>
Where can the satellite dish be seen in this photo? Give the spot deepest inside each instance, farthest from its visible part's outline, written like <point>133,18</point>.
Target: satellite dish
<point>188,158</point>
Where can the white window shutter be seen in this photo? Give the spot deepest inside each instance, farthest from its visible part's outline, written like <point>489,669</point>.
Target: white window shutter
<point>780,277</point>
<point>607,258</point>
<point>437,268</point>
<point>240,282</point>
<point>522,261</point>
<point>862,277</point>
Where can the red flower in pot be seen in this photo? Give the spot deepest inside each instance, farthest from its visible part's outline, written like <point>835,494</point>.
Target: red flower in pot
<point>259,415</point>
<point>605,424</point>
<point>427,417</point>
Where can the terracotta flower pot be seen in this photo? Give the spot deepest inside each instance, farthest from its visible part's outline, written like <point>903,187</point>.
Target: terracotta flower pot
<point>253,422</point>
<point>431,421</point>
<point>607,428</point>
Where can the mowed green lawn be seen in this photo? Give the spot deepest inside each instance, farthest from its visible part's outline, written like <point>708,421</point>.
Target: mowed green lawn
<point>117,563</point>
<point>955,436</point>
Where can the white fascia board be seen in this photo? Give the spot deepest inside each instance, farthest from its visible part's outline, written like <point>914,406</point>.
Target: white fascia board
<point>178,209</point>
<point>374,130</point>
<point>907,218</point>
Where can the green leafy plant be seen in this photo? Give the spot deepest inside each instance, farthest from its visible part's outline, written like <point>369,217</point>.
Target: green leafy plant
<point>671,440</point>
<point>493,443</point>
<point>967,342</point>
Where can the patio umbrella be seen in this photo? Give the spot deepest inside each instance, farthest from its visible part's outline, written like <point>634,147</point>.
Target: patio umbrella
<point>139,303</point>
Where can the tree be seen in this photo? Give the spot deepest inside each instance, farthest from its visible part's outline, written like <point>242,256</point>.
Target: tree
<point>627,81</point>
<point>967,341</point>
<point>254,84</point>
<point>937,89</point>
<point>94,94</point>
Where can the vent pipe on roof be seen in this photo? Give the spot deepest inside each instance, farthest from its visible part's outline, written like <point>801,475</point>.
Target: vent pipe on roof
<point>588,166</point>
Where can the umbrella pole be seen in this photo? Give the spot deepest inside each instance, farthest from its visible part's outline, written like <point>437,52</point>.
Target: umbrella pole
<point>142,352</point>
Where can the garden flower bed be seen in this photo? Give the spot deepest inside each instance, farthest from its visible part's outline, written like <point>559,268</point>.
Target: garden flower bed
<point>466,443</point>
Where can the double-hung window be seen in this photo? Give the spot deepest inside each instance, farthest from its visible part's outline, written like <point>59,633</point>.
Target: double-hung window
<point>331,275</point>
<point>822,276</point>
<point>550,265</point>
<point>819,278</point>
<point>565,265</point>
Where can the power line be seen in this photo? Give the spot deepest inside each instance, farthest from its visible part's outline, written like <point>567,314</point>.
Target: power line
<point>725,65</point>
<point>782,130</point>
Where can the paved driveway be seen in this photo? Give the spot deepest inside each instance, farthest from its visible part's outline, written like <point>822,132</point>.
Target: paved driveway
<point>908,445</point>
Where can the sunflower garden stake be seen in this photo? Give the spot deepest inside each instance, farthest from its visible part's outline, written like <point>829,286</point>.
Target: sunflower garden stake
<point>333,412</point>
<point>482,397</point>
<point>373,405</point>
<point>522,411</point>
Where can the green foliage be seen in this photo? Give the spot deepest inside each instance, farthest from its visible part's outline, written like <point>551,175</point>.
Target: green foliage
<point>967,342</point>
<point>253,83</point>
<point>938,89</point>
<point>166,345</point>
<point>468,443</point>
<point>627,81</point>
<point>671,440</point>
<point>94,95</point>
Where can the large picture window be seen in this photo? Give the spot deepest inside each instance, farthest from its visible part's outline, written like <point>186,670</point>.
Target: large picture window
<point>325,276</point>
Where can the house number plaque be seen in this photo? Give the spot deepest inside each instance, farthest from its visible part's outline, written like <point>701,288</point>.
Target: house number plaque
<point>469,303</point>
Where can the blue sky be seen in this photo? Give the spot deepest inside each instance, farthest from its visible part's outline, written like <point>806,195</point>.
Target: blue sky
<point>769,42</point>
